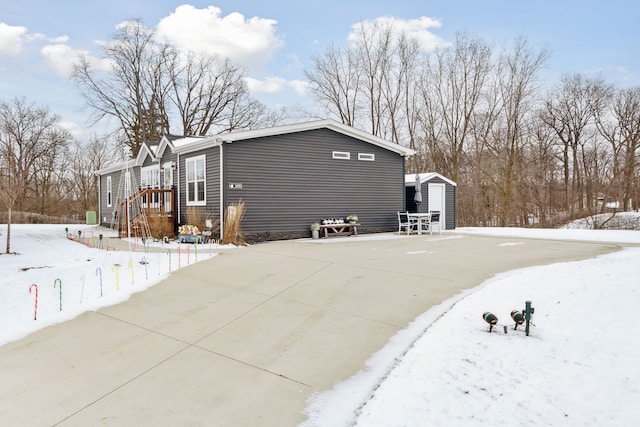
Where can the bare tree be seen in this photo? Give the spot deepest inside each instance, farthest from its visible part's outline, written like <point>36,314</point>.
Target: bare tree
<point>27,133</point>
<point>148,81</point>
<point>205,90</point>
<point>335,81</point>
<point>134,89</point>
<point>453,87</point>
<point>81,182</point>
<point>517,86</point>
<point>619,125</point>
<point>569,111</point>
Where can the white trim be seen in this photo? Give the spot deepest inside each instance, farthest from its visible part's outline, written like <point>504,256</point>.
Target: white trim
<point>221,194</point>
<point>367,157</point>
<point>410,179</point>
<point>178,186</point>
<point>443,200</point>
<point>341,155</point>
<point>194,160</point>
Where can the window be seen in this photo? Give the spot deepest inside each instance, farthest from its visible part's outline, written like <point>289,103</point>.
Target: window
<point>196,181</point>
<point>367,156</point>
<point>109,192</point>
<point>344,155</point>
<point>150,177</point>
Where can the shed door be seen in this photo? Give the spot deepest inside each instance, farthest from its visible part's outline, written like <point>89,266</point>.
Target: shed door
<point>436,201</point>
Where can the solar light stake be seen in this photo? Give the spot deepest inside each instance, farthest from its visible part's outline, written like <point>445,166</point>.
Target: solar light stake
<point>528,311</point>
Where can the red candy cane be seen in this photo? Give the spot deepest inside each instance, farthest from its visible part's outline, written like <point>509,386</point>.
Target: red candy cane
<point>35,310</point>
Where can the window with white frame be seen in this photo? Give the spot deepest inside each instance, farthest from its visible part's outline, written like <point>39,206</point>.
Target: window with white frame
<point>344,155</point>
<point>196,183</point>
<point>150,177</point>
<point>369,157</point>
<point>109,192</point>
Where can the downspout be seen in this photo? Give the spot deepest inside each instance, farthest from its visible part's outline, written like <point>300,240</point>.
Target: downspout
<point>99,201</point>
<point>178,172</point>
<point>221,192</point>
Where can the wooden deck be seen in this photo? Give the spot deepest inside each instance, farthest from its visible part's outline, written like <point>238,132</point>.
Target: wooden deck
<point>150,213</point>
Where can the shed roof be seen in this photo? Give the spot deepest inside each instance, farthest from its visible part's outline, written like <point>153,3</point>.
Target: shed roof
<point>410,178</point>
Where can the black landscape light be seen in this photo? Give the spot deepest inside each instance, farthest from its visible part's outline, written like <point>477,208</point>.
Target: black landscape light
<point>490,318</point>
<point>517,317</point>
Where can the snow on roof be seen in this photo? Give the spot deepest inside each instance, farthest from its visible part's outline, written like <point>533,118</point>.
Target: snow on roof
<point>181,142</point>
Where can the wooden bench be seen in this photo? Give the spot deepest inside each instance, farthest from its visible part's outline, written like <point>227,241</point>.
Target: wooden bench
<point>339,229</point>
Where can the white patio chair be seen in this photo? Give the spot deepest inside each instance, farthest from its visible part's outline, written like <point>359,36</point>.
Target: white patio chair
<point>406,223</point>
<point>435,222</point>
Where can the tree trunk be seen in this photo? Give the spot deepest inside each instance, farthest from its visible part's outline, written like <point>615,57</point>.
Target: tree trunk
<point>9,230</point>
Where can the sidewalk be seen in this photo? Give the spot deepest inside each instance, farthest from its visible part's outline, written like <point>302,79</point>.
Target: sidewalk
<point>245,338</point>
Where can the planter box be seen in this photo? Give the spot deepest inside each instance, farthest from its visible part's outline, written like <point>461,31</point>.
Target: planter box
<point>190,238</point>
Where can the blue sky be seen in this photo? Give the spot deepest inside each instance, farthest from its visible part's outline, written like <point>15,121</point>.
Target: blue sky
<point>275,40</point>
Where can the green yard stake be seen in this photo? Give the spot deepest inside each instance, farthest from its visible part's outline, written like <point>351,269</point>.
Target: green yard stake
<point>528,311</point>
<point>58,281</point>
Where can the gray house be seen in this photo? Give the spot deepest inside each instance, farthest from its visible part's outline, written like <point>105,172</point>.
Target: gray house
<point>438,194</point>
<point>288,178</point>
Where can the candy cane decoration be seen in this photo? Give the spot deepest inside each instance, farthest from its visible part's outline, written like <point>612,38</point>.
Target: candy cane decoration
<point>35,310</point>
<point>115,269</point>
<point>131,268</point>
<point>82,291</point>
<point>58,281</point>
<point>144,262</point>
<point>99,274</point>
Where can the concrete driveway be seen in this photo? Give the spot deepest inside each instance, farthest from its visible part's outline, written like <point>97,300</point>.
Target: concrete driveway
<point>245,338</point>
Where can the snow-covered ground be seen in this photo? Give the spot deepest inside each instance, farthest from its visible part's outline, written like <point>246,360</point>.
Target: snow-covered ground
<point>72,278</point>
<point>578,366</point>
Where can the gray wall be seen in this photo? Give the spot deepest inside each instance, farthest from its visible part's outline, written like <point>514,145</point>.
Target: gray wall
<point>117,182</point>
<point>290,181</point>
<point>212,188</point>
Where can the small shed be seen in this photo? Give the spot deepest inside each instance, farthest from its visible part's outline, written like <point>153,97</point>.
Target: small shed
<point>438,194</point>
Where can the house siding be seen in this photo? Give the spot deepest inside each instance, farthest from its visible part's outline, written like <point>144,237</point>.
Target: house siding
<point>117,187</point>
<point>290,181</point>
<point>212,186</point>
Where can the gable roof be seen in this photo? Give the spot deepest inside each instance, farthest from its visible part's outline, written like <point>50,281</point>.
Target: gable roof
<point>410,178</point>
<point>193,143</point>
<point>313,125</point>
<point>145,150</point>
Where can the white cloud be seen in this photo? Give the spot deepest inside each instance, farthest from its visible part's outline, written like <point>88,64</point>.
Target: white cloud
<point>271,85</point>
<point>248,42</point>
<point>76,131</point>
<point>268,85</point>
<point>300,86</point>
<point>419,29</point>
<point>11,38</point>
<point>62,57</point>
